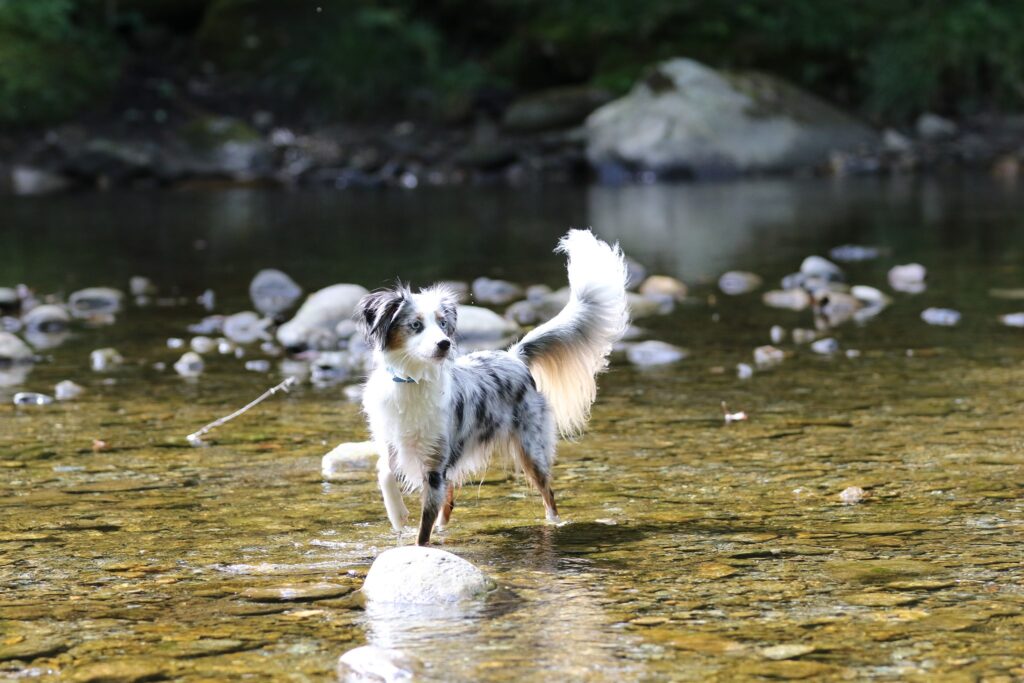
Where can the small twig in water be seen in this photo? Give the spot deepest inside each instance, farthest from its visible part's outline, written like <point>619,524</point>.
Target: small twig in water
<point>195,438</point>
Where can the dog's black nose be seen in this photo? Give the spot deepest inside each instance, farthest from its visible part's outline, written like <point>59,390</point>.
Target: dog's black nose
<point>444,344</point>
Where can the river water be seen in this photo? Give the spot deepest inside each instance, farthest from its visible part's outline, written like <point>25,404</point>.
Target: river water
<point>694,550</point>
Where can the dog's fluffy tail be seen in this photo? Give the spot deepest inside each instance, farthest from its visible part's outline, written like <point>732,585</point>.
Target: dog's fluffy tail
<point>566,353</point>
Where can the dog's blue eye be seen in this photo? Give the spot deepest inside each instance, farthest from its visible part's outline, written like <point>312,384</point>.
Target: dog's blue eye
<point>416,326</point>
<point>442,323</point>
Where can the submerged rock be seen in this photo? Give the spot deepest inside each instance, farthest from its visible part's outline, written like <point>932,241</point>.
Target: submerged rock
<point>686,117</point>
<point>67,390</point>
<point>190,364</point>
<point>944,317</point>
<point>95,300</point>
<point>498,292</point>
<point>273,292</point>
<point>851,495</point>
<point>371,664</point>
<point>105,359</point>
<point>339,462</point>
<point>415,575</point>
<point>653,352</point>
<point>908,278</point>
<point>736,282</point>
<point>31,398</point>
<point>315,323</point>
<point>13,350</point>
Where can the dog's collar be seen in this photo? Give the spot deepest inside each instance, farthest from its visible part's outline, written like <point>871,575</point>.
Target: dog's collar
<point>400,380</point>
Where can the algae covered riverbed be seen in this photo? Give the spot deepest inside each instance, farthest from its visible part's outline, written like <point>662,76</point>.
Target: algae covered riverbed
<point>694,549</point>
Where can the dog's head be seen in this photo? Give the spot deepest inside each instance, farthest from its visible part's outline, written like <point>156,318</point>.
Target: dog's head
<point>419,326</point>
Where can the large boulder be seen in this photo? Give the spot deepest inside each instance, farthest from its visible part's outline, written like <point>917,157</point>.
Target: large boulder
<point>414,575</point>
<point>315,324</point>
<point>687,118</point>
<point>480,326</point>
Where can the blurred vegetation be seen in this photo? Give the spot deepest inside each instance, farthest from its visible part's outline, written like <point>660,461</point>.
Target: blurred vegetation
<point>888,59</point>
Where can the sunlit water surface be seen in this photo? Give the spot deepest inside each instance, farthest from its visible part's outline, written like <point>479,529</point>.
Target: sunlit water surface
<point>691,545</point>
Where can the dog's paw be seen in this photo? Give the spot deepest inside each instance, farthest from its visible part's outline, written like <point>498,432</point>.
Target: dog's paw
<point>555,520</point>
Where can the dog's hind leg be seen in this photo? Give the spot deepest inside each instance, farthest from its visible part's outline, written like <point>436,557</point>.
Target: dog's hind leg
<point>393,503</point>
<point>539,475</point>
<point>446,510</point>
<point>434,488</point>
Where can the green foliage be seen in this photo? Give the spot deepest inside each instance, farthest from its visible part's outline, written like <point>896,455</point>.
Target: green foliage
<point>53,62</point>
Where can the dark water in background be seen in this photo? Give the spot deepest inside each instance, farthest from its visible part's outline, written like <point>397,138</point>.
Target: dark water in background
<point>692,547</point>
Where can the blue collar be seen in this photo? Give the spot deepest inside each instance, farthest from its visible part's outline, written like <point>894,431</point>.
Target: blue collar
<point>400,380</point>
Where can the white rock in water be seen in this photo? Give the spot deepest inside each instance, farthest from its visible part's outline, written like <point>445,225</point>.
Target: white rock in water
<point>736,282</point>
<point>175,343</point>
<point>522,313</point>
<point>273,292</point>
<point>792,299</point>
<point>777,334</point>
<point>945,317</point>
<point>744,371</point>
<point>47,318</point>
<point>189,365</point>
<point>851,495</point>
<point>816,266</point>
<point>346,457</point>
<point>802,335</point>
<point>826,346</point>
<point>1012,319</point>
<point>767,356</point>
<point>870,295</point>
<point>415,575</point>
<point>488,291</point>
<point>95,300</point>
<point>105,359</point>
<point>13,350</point>
<point>854,252</point>
<point>315,323</point>
<point>67,390</point>
<point>139,285</point>
<point>258,365</point>
<point>246,327</point>
<point>30,398</point>
<point>908,278</point>
<point>663,286</point>
<point>371,664</point>
<point>653,352</point>
<point>478,324</point>
<point>202,344</point>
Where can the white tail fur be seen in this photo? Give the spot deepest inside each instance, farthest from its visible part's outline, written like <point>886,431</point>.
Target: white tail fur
<point>566,353</point>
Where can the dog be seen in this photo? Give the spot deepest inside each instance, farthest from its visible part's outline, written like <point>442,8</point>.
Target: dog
<point>436,417</point>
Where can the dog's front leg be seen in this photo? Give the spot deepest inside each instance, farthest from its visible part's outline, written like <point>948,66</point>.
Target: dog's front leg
<point>433,497</point>
<point>393,503</point>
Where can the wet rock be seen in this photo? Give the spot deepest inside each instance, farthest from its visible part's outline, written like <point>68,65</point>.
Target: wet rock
<point>832,309</point>
<point>933,127</point>
<point>67,390</point>
<point>880,571</point>
<point>13,350</point>
<point>122,670</point>
<point>826,346</point>
<point>853,252</point>
<point>497,292</point>
<point>211,324</point>
<point>208,299</point>
<point>522,313</point>
<point>908,278</point>
<point>816,266</point>
<point>273,292</point>
<point>190,364</point>
<point>686,117</point>
<point>1012,293</point>
<point>47,318</point>
<point>141,286</point>
<point>371,664</point>
<point>1012,319</point>
<point>339,462</point>
<point>102,360</point>
<point>777,334</point>
<point>202,344</point>
<point>30,646</point>
<point>802,335</point>
<point>791,299</point>
<point>95,300</point>
<point>27,180</point>
<point>648,353</point>
<point>870,296</point>
<point>479,325</point>
<point>768,356</point>
<point>297,593</point>
<point>417,575</point>
<point>314,325</point>
<point>944,317</point>
<point>736,282</point>
<point>226,347</point>
<point>259,365</point>
<point>657,286</point>
<point>31,398</point>
<point>332,367</point>
<point>744,371</point>
<point>852,495</point>
<point>787,651</point>
<point>175,343</point>
<point>246,327</point>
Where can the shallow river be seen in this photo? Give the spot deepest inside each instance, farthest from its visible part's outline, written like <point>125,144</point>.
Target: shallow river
<point>694,550</point>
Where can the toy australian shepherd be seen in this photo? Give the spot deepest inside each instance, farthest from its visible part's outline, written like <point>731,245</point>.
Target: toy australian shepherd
<point>436,416</point>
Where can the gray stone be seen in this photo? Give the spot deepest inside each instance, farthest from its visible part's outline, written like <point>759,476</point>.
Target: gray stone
<point>371,664</point>
<point>95,301</point>
<point>246,327</point>
<point>67,390</point>
<point>338,464</point>
<point>315,324</point>
<point>736,282</point>
<point>943,317</point>
<point>190,364</point>
<point>653,352</point>
<point>908,278</point>
<point>13,350</point>
<point>415,575</point>
<point>826,346</point>
<point>854,253</point>
<point>816,266</point>
<point>478,325</point>
<point>687,117</point>
<point>1012,319</point>
<point>273,292</point>
<point>26,180</point>
<point>31,398</point>
<point>488,291</point>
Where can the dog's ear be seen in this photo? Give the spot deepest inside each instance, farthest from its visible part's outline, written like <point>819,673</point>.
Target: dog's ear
<point>376,312</point>
<point>450,311</point>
